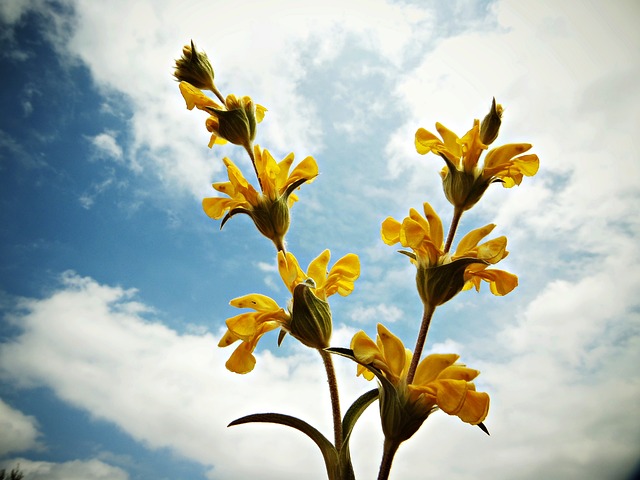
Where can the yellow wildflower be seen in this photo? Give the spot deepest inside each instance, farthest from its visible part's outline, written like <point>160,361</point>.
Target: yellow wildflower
<point>440,276</point>
<point>269,209</point>
<point>464,181</point>
<point>439,382</point>
<point>235,121</point>
<point>307,317</point>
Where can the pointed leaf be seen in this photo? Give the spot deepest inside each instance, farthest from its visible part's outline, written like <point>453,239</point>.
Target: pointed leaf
<point>327,449</point>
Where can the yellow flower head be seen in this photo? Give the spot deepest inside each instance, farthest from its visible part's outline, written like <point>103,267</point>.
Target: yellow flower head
<point>307,318</point>
<point>439,382</point>
<point>464,181</point>
<point>269,209</point>
<point>440,276</point>
<point>235,121</point>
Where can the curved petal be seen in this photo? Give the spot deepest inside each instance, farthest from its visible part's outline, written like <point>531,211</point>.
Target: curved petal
<point>498,157</point>
<point>451,140</point>
<point>290,270</point>
<point>317,269</point>
<point>435,225</point>
<point>427,142</point>
<point>458,372</point>
<point>242,359</point>
<point>215,207</point>
<point>470,240</point>
<point>475,407</point>
<point>451,395</point>
<point>307,169</point>
<point>364,349</point>
<point>393,351</point>
<point>390,231</point>
<point>431,366</point>
<point>256,301</point>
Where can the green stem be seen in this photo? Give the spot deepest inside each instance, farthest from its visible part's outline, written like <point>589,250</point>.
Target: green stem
<point>335,399</point>
<point>390,449</point>
<point>457,214</point>
<point>427,315</point>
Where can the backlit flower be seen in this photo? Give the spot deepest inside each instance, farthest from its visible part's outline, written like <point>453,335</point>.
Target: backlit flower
<point>439,382</point>
<point>194,67</point>
<point>440,276</point>
<point>464,180</point>
<point>235,121</point>
<point>269,208</point>
<point>307,316</point>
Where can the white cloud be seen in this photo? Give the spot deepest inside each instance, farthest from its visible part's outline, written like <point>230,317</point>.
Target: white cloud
<point>90,344</point>
<point>107,145</point>
<point>72,470</point>
<point>19,431</point>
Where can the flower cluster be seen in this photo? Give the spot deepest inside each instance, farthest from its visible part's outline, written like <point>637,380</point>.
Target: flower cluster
<point>410,388</point>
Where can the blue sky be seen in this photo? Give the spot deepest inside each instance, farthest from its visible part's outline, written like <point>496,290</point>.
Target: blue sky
<point>114,285</point>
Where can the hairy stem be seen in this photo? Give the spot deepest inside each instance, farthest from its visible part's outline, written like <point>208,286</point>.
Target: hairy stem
<point>390,449</point>
<point>422,336</point>
<point>457,214</point>
<point>335,399</point>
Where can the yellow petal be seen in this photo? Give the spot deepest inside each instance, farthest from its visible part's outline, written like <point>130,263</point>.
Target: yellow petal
<point>195,98</point>
<point>228,338</point>
<point>290,270</point>
<point>431,366</point>
<point>242,359</point>
<point>458,372</point>
<point>244,326</point>
<point>390,231</point>
<point>393,350</point>
<point>471,240</point>
<point>317,269</point>
<point>364,349</point>
<point>260,111</point>
<point>307,168</point>
<point>475,407</point>
<point>451,395</point>
<point>498,157</point>
<point>426,142</point>
<point>451,140</point>
<point>435,225</point>
<point>256,301</point>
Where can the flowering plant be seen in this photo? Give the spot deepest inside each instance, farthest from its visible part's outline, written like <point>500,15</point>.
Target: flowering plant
<point>410,388</point>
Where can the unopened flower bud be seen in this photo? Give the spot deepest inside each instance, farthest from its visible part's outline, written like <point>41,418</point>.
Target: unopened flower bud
<point>272,219</point>
<point>310,317</point>
<point>462,189</point>
<point>237,123</point>
<point>491,124</point>
<point>194,67</point>
<point>439,284</point>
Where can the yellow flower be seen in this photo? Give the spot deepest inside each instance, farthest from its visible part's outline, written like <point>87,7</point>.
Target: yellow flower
<point>269,209</point>
<point>235,121</point>
<point>307,318</point>
<point>249,327</point>
<point>464,181</point>
<point>439,382</point>
<point>440,276</point>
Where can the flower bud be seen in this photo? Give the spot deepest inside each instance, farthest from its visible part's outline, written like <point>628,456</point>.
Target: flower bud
<point>491,124</point>
<point>272,219</point>
<point>310,317</point>
<point>462,189</point>
<point>237,123</point>
<point>194,67</point>
<point>439,284</point>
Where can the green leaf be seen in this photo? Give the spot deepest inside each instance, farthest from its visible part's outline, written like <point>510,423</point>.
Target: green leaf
<point>349,421</point>
<point>329,452</point>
